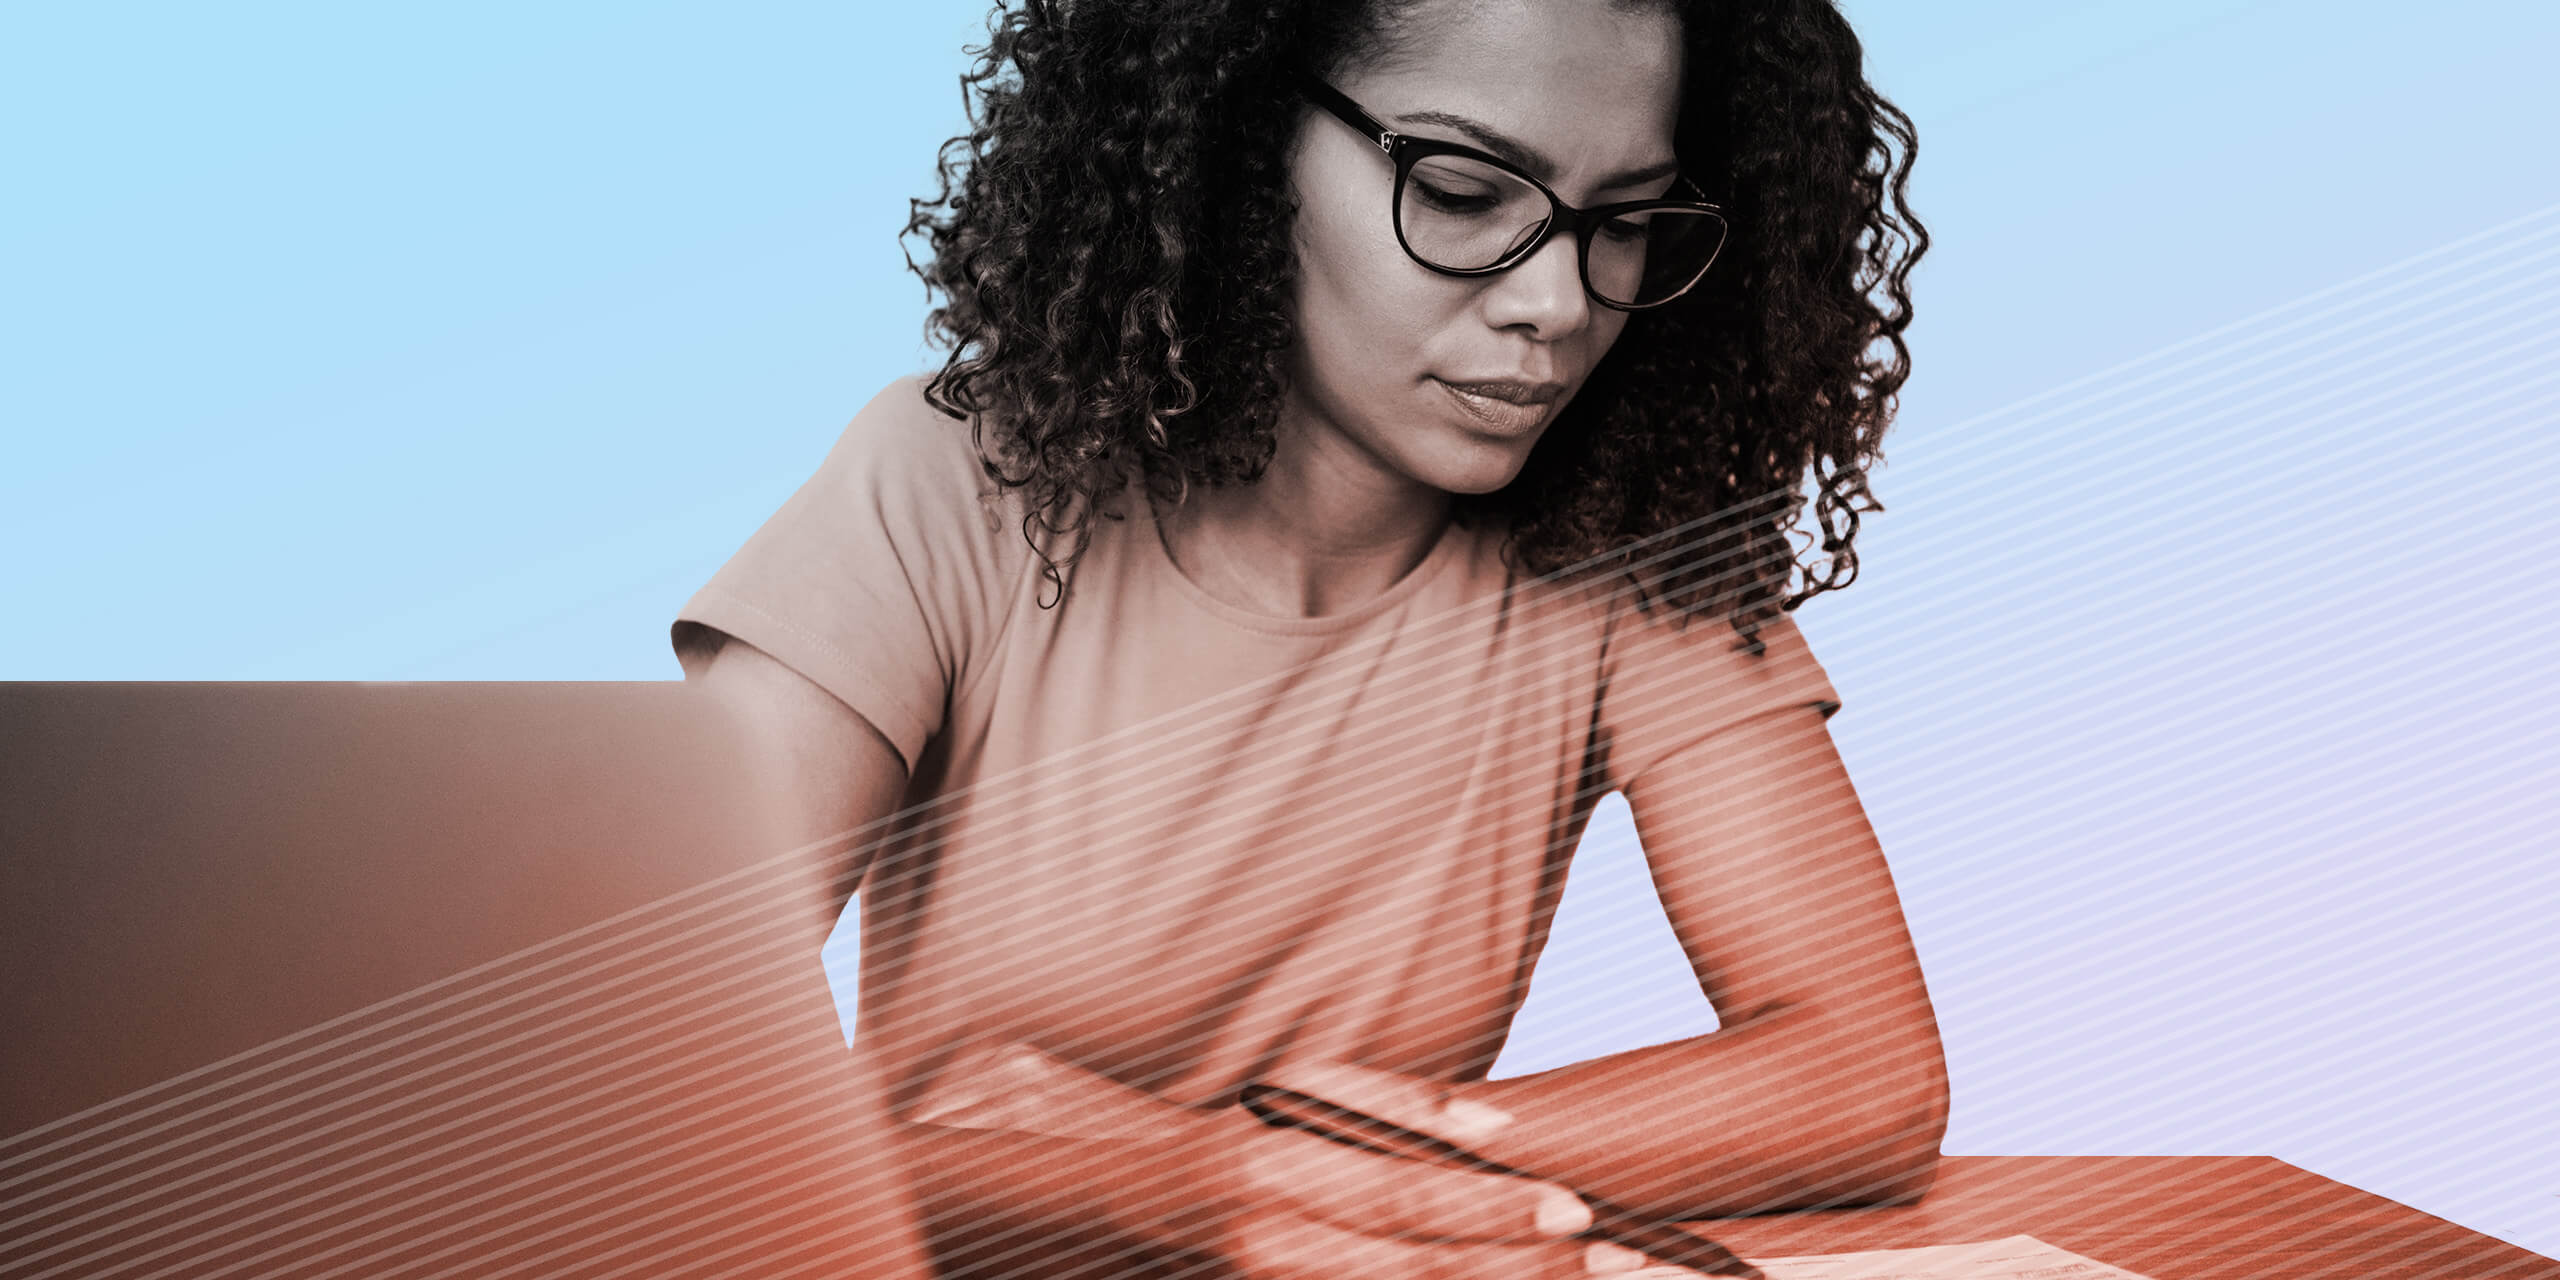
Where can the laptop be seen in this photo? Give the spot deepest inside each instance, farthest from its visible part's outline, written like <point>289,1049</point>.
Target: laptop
<point>432,978</point>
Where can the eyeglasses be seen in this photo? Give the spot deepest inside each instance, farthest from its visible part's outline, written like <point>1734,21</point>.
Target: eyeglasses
<point>1461,212</point>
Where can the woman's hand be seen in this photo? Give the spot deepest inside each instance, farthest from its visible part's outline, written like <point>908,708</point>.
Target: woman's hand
<point>1285,1204</point>
<point>1223,1189</point>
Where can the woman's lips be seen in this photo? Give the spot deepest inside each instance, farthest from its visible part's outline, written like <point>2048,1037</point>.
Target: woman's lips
<point>1503,417</point>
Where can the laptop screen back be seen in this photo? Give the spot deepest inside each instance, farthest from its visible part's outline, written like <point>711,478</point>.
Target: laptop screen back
<point>356,979</point>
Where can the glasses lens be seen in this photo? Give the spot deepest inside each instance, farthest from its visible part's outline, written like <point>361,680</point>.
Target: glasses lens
<point>1650,256</point>
<point>1466,215</point>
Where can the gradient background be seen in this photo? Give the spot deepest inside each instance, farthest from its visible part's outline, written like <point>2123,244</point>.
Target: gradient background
<point>2194,680</point>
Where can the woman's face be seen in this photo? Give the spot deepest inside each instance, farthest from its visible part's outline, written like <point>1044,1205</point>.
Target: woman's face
<point>1588,92</point>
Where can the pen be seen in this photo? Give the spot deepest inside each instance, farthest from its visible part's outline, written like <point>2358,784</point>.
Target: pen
<point>1290,1109</point>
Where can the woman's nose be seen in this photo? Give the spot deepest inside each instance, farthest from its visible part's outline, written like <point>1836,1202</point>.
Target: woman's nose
<point>1543,293</point>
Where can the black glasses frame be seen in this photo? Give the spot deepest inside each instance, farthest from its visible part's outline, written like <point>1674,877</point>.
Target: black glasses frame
<point>1404,150</point>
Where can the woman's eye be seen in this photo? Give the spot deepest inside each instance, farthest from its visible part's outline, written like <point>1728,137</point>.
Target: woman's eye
<point>1454,201</point>
<point>1622,230</point>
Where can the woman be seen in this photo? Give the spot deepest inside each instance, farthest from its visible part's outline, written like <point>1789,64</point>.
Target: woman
<point>1212,666</point>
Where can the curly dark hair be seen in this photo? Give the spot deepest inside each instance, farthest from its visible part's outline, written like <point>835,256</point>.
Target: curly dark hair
<point>1111,243</point>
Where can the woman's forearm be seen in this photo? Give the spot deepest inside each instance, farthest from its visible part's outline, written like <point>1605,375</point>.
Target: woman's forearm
<point>1781,1109</point>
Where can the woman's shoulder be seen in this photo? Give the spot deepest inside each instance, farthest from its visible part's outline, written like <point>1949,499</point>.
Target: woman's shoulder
<point>918,465</point>
<point>885,577</point>
<point>901,426</point>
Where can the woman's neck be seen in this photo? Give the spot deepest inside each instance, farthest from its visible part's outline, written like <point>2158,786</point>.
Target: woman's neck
<point>1323,531</point>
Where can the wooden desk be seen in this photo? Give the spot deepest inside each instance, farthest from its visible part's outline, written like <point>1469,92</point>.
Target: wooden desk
<point>2168,1217</point>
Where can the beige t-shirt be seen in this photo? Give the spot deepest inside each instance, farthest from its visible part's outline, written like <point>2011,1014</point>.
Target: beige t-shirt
<point>1177,841</point>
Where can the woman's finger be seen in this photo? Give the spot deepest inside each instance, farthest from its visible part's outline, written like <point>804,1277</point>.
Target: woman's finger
<point>1390,1196</point>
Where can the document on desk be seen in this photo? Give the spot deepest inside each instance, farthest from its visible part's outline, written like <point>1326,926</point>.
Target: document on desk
<point>2011,1258</point>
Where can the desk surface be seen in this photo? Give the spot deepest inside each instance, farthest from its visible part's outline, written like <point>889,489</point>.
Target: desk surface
<point>2168,1217</point>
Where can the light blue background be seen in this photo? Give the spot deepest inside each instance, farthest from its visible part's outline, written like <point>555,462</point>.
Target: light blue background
<point>2195,679</point>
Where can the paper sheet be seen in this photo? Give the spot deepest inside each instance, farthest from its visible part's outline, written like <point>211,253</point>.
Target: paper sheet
<point>2010,1258</point>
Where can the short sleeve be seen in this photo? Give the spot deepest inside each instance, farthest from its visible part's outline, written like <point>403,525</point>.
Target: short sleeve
<point>1667,689</point>
<point>882,576</point>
